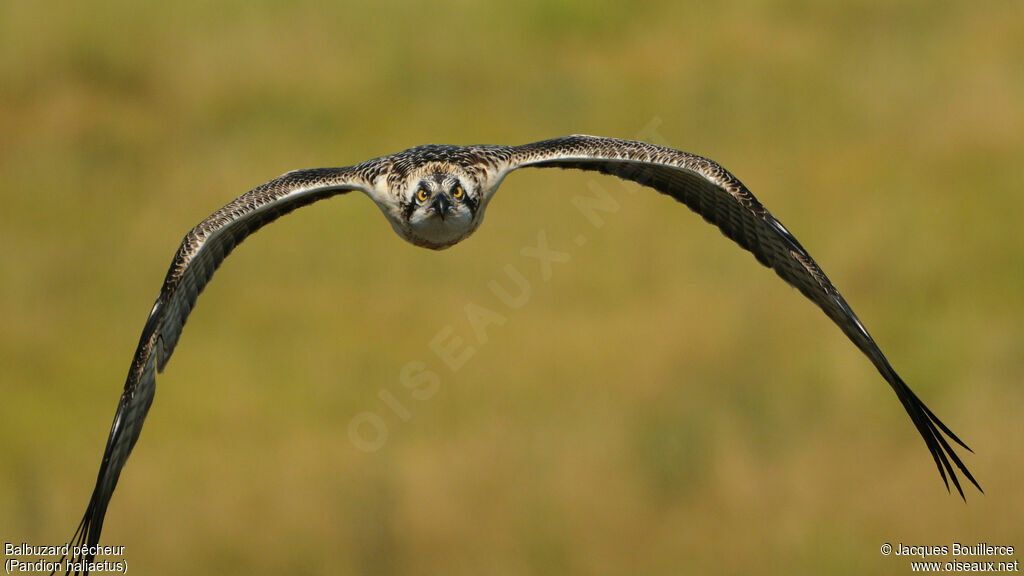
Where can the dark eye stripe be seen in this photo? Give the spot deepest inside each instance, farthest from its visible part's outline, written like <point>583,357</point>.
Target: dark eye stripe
<point>470,202</point>
<point>407,209</point>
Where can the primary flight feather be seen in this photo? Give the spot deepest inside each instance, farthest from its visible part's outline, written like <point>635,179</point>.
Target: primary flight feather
<point>435,196</point>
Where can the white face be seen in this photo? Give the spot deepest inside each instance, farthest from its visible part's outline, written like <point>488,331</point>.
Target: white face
<point>440,210</point>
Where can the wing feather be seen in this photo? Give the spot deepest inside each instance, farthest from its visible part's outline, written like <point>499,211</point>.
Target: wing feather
<point>201,252</point>
<point>722,200</point>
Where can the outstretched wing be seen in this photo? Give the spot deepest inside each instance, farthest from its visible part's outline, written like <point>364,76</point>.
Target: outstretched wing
<point>721,199</point>
<point>202,250</point>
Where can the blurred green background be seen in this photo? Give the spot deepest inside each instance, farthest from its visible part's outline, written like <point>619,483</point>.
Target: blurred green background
<point>659,405</point>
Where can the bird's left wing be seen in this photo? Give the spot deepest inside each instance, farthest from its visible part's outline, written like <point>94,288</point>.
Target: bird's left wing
<point>200,253</point>
<point>711,191</point>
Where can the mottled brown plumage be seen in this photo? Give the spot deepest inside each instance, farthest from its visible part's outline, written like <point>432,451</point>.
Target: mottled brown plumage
<point>435,196</point>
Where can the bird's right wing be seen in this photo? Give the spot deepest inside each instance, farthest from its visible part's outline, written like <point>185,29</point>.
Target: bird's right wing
<point>200,253</point>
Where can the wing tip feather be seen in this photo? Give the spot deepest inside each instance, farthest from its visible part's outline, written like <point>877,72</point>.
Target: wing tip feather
<point>934,433</point>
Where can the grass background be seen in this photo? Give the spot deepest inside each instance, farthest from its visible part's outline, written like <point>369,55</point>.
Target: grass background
<point>659,405</point>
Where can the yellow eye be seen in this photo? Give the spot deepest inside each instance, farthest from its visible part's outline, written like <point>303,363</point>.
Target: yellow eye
<point>458,193</point>
<point>422,195</point>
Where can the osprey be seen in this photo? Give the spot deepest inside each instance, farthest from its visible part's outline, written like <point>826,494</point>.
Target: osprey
<point>435,196</point>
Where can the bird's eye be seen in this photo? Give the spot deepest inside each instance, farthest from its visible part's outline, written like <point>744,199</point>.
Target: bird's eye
<point>458,192</point>
<point>422,195</point>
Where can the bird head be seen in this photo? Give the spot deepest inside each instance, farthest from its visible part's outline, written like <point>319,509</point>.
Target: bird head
<point>439,209</point>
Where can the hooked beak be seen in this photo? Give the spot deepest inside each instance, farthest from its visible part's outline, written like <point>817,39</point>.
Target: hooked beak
<point>441,204</point>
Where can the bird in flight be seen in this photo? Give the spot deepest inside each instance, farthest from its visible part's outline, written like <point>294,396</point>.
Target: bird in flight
<point>435,196</point>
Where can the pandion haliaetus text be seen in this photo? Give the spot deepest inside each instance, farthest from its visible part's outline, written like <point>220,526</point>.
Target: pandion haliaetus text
<point>435,196</point>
